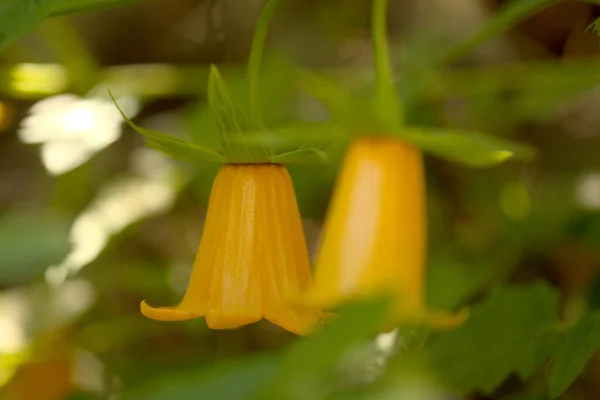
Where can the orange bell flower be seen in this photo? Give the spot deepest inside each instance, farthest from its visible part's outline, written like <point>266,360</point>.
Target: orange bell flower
<point>374,238</point>
<point>252,255</point>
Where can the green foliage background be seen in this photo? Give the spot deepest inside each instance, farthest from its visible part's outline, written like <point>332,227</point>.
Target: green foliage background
<point>509,238</point>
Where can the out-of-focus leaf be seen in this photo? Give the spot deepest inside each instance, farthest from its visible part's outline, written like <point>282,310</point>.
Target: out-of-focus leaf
<point>299,136</point>
<point>304,372</point>
<point>29,243</point>
<point>573,354</point>
<point>173,146</point>
<point>470,148</point>
<point>449,283</point>
<point>231,381</point>
<point>512,13</point>
<point>512,331</point>
<point>404,381</point>
<point>501,98</point>
<point>347,106</point>
<point>21,16</point>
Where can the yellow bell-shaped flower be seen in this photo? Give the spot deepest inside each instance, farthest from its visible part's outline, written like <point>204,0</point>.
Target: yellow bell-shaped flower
<point>252,256</point>
<point>374,237</point>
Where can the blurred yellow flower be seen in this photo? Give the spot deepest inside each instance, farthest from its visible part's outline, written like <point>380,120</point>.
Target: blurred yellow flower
<point>374,238</point>
<point>252,256</point>
<point>47,371</point>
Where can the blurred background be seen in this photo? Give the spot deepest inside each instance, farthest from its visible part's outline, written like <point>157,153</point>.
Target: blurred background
<point>92,221</point>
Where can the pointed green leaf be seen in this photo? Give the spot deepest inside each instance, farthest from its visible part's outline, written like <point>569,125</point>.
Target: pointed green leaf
<point>511,331</point>
<point>582,341</point>
<point>232,122</point>
<point>173,146</point>
<point>470,148</point>
<point>304,155</point>
<point>178,148</point>
<point>228,115</point>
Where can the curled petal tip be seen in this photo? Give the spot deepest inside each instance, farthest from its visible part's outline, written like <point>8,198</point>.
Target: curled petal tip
<point>447,321</point>
<point>165,313</point>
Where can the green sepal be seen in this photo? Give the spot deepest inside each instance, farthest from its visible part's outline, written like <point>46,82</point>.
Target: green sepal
<point>303,143</point>
<point>232,122</point>
<point>470,148</point>
<point>173,146</point>
<point>305,155</point>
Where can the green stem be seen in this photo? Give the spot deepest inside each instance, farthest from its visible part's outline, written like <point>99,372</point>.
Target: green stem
<point>255,60</point>
<point>386,96</point>
<point>380,47</point>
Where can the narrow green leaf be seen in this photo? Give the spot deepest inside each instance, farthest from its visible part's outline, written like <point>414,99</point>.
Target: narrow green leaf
<point>304,371</point>
<point>470,148</point>
<point>511,331</point>
<point>178,148</point>
<point>301,156</point>
<point>232,122</point>
<point>573,354</point>
<point>511,14</point>
<point>21,16</point>
<point>173,146</point>
<point>231,381</point>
